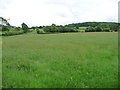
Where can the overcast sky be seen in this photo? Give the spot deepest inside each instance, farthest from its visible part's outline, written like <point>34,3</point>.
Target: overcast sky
<point>46,12</point>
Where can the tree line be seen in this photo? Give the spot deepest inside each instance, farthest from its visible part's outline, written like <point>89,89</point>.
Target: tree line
<point>74,27</point>
<point>77,27</point>
<point>97,26</point>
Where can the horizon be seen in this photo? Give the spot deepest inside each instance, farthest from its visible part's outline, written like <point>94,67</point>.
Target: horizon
<point>46,12</point>
<point>61,24</point>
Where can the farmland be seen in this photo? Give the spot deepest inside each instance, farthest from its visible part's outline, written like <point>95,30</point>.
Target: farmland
<point>65,60</point>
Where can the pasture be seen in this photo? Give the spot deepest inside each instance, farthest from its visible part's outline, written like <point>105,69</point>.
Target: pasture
<point>0,62</point>
<point>68,60</point>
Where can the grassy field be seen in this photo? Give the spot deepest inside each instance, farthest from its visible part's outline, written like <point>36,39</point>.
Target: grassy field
<point>0,62</point>
<point>69,60</point>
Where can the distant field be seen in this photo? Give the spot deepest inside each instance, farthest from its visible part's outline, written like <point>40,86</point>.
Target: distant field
<point>69,60</point>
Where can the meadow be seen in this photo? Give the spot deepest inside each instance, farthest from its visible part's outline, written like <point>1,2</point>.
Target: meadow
<point>0,62</point>
<point>66,60</point>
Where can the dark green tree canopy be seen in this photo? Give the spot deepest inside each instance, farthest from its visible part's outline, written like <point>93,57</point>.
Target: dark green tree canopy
<point>25,27</point>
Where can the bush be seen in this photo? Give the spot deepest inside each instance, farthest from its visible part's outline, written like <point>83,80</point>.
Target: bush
<point>17,28</point>
<point>93,29</point>
<point>90,29</point>
<point>5,28</point>
<point>40,31</point>
<point>53,29</point>
<point>11,33</point>
<point>98,29</point>
<point>82,30</point>
<point>106,30</point>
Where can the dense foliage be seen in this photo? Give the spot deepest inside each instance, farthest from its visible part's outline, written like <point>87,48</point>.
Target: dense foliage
<point>53,28</point>
<point>12,31</point>
<point>81,27</point>
<point>24,27</point>
<point>75,27</point>
<point>97,26</point>
<point>5,28</point>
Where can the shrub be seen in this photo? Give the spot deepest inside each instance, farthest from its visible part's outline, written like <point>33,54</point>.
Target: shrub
<point>53,28</point>
<point>82,30</point>
<point>5,28</point>
<point>98,29</point>
<point>40,31</point>
<point>17,28</point>
<point>106,30</point>
<point>11,33</point>
<point>90,29</point>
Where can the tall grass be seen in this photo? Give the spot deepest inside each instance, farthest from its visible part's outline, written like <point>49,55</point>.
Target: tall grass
<point>0,62</point>
<point>72,60</point>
